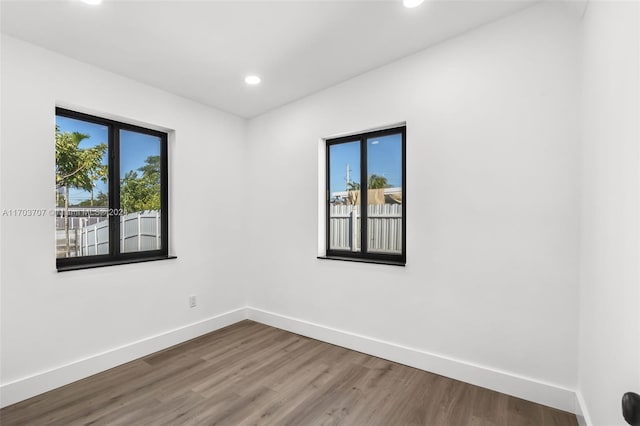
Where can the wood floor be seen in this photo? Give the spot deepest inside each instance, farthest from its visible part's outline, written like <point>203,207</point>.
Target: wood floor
<point>253,374</point>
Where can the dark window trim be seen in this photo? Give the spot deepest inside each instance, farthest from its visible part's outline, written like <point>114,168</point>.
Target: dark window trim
<point>112,263</point>
<point>364,260</point>
<point>363,255</point>
<point>115,257</point>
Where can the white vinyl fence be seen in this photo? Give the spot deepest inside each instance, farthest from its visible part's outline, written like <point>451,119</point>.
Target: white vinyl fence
<point>139,231</point>
<point>384,228</point>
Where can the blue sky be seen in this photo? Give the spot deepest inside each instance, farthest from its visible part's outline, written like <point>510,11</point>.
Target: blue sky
<point>134,149</point>
<point>384,159</point>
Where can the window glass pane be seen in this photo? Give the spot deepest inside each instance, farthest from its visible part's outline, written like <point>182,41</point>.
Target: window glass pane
<point>384,195</point>
<point>140,224</point>
<point>82,194</point>
<point>344,196</point>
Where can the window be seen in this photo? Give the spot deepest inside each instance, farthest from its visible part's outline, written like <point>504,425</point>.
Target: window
<point>366,214</point>
<point>111,192</point>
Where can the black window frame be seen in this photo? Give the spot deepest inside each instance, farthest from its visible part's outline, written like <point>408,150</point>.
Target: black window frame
<point>364,255</point>
<point>115,256</point>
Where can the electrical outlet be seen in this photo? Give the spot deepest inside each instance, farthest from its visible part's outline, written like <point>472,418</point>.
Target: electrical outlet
<point>192,301</point>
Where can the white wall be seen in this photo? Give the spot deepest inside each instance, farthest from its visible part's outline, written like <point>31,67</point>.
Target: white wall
<point>57,327</point>
<point>489,293</point>
<point>609,362</point>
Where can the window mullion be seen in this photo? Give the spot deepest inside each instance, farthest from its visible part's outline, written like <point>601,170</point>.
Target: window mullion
<point>114,199</point>
<point>364,189</point>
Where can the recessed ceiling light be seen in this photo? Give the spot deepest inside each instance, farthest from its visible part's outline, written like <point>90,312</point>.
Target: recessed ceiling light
<point>252,80</point>
<point>412,3</point>
<point>92,2</point>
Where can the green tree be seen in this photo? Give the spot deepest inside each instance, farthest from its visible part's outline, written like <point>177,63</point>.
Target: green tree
<point>76,168</point>
<point>374,182</point>
<point>377,182</point>
<point>353,186</point>
<point>100,200</point>
<point>141,191</point>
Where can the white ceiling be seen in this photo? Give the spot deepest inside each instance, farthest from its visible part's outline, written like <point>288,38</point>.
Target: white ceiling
<point>203,49</point>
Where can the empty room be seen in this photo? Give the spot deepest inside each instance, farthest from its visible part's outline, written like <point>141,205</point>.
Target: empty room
<point>308,212</point>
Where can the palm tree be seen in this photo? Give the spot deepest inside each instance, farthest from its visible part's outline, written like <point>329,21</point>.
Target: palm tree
<point>353,186</point>
<point>377,182</point>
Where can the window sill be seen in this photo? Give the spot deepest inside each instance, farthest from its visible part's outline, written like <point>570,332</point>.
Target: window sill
<point>112,263</point>
<point>364,260</point>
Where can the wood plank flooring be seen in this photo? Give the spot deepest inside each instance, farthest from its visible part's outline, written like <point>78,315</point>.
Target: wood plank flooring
<point>253,374</point>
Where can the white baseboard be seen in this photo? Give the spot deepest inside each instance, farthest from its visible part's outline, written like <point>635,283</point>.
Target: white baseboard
<point>501,381</point>
<point>581,411</point>
<point>36,384</point>
<point>511,384</point>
